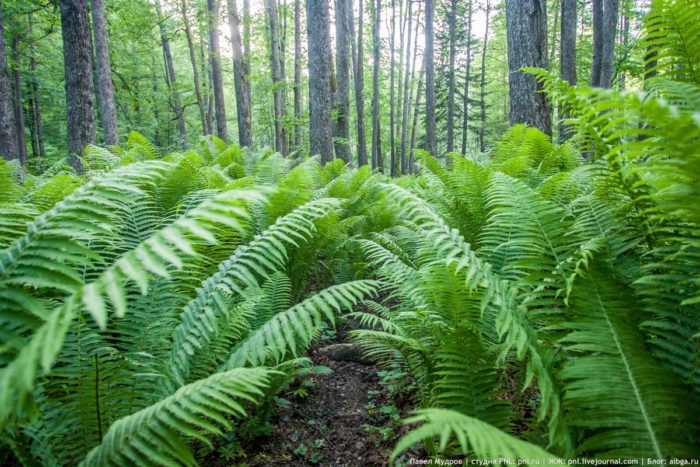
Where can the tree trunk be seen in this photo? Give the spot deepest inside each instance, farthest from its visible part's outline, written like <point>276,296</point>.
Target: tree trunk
<point>567,54</point>
<point>605,14</point>
<point>430,137</point>
<point>195,69</point>
<point>246,49</point>
<point>377,160</point>
<point>451,80</point>
<point>467,79</point>
<point>482,97</point>
<point>414,128</point>
<point>105,88</point>
<point>527,47</point>
<point>18,101</point>
<point>406,86</point>
<point>358,75</point>
<point>9,149</point>
<point>625,46</point>
<point>320,96</point>
<point>342,66</point>
<point>297,75</point>
<point>36,107</point>
<point>240,80</point>
<point>215,60</point>
<point>78,75</point>
<point>392,141</point>
<point>171,77</point>
<point>277,78</point>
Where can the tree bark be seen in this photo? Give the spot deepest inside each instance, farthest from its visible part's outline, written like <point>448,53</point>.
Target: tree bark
<point>605,13</point>
<point>78,76</point>
<point>358,75</point>
<point>430,137</point>
<point>277,78</point>
<point>246,48</point>
<point>342,66</point>
<point>9,149</point>
<point>171,78</point>
<point>240,79</point>
<point>406,86</point>
<point>215,60</point>
<point>451,80</point>
<point>482,96</point>
<point>527,47</point>
<point>105,88</point>
<point>195,70</point>
<point>377,159</point>
<point>392,141</point>
<point>320,96</point>
<point>18,101</point>
<point>297,75</point>
<point>567,54</point>
<point>36,105</point>
<point>467,79</point>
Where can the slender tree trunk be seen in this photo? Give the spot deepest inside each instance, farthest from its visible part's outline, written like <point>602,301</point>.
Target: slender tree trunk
<point>297,75</point>
<point>215,60</point>
<point>342,66</point>
<point>451,80</point>
<point>567,54</point>
<point>171,77</point>
<point>625,45</point>
<point>527,47</point>
<point>9,149</point>
<point>156,110</point>
<point>78,75</point>
<point>399,84</point>
<point>36,106</point>
<point>414,127</point>
<point>208,99</point>
<point>195,69</point>
<point>240,81</point>
<point>18,101</point>
<point>482,97</point>
<point>105,88</point>
<point>553,39</point>
<point>246,49</point>
<point>320,71</point>
<point>598,26</point>
<point>277,78</point>
<point>430,136</point>
<point>377,160</point>
<point>406,86</point>
<point>467,79</point>
<point>358,75</point>
<point>392,141</point>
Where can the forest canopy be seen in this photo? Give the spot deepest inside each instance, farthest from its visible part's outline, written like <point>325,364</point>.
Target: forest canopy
<point>349,232</point>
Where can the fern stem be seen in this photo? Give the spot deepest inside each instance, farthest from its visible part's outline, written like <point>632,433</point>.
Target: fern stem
<point>97,398</point>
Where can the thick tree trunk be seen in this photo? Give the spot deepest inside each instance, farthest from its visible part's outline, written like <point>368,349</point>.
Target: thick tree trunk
<point>215,60</point>
<point>240,80</point>
<point>467,79</point>
<point>320,96</point>
<point>605,13</point>
<point>527,47</point>
<point>567,54</point>
<point>78,75</point>
<point>451,80</point>
<point>358,75</point>
<point>297,75</point>
<point>18,101</point>
<point>9,149</point>
<point>36,105</point>
<point>277,78</point>
<point>342,66</point>
<point>406,87</point>
<point>195,69</point>
<point>482,96</point>
<point>171,78</point>
<point>377,159</point>
<point>430,136</point>
<point>105,88</point>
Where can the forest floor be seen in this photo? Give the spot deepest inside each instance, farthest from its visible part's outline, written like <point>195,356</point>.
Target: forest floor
<point>343,417</point>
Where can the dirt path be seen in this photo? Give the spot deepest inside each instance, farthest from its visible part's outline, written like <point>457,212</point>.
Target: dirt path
<point>326,427</point>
